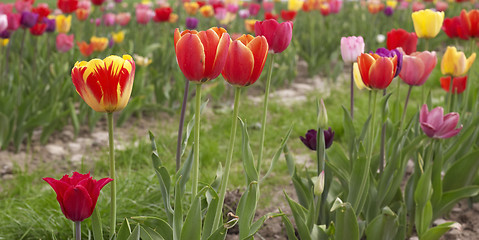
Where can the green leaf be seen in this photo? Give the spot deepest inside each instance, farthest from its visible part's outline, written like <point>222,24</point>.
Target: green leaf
<point>359,182</point>
<point>436,232</point>
<point>278,153</point>
<point>125,230</point>
<point>147,233</point>
<point>289,160</point>
<point>462,172</point>
<point>135,235</point>
<point>192,227</point>
<point>178,212</point>
<point>449,199</point>
<point>185,170</point>
<point>299,214</point>
<point>384,226</point>
<point>210,213</point>
<point>4,128</point>
<point>96,225</point>
<point>246,209</point>
<point>247,155</point>
<point>423,188</point>
<point>346,223</point>
<point>423,217</point>
<point>159,225</point>
<point>220,233</point>
<point>259,223</point>
<point>289,226</point>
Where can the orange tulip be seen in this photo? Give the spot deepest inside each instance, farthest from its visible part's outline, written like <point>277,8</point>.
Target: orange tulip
<point>201,55</point>
<point>85,48</point>
<point>245,61</point>
<point>99,43</point>
<point>105,85</point>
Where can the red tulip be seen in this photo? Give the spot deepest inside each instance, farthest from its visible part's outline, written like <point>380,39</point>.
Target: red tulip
<point>376,72</point>
<point>403,39</point>
<point>38,29</point>
<point>288,15</point>
<point>455,27</point>
<point>470,20</point>
<point>245,61</point>
<point>278,34</point>
<point>42,10</point>
<point>417,67</point>
<point>162,14</point>
<point>269,15</point>
<point>201,55</point>
<point>78,194</point>
<point>324,9</point>
<point>123,18</point>
<point>67,6</point>
<point>458,86</point>
<point>97,2</point>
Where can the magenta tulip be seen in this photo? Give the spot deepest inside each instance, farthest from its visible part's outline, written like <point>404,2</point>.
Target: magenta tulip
<point>351,48</point>
<point>417,67</point>
<point>435,125</point>
<point>278,34</point>
<point>64,42</point>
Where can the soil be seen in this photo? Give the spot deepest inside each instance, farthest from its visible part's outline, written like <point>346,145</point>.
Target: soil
<point>63,151</point>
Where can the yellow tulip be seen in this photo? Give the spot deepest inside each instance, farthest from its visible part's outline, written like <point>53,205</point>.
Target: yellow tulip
<point>99,43</point>
<point>4,42</point>
<point>391,3</point>
<point>207,11</point>
<point>191,7</point>
<point>173,18</point>
<point>295,5</point>
<point>118,37</point>
<point>63,23</point>
<point>454,63</point>
<point>427,23</point>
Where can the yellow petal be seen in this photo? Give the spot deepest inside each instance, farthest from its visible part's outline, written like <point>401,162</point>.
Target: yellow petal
<point>357,77</point>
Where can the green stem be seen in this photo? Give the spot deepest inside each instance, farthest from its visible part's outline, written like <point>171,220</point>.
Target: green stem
<point>112,175</point>
<point>371,127</point>
<point>405,107</point>
<point>229,157</point>
<point>196,162</point>
<point>450,94</point>
<point>78,230</point>
<point>265,112</point>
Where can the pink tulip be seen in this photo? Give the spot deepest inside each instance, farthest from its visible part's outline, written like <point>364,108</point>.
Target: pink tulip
<point>23,5</point>
<point>254,9</point>
<point>335,5</point>
<point>232,8</point>
<point>123,19</point>
<point>435,125</point>
<point>418,6</point>
<point>109,19</point>
<point>3,22</point>
<point>143,14</point>
<point>351,48</point>
<point>441,6</point>
<point>268,6</point>
<point>278,34</point>
<point>243,13</point>
<point>6,8</point>
<point>417,67</point>
<point>13,21</point>
<point>64,42</point>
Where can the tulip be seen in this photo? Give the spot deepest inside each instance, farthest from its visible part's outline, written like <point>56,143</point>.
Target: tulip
<point>99,43</point>
<point>191,8</point>
<point>232,8</point>
<point>249,25</point>
<point>38,29</point>
<point>295,5</point>
<point>375,72</point>
<point>245,60</point>
<point>254,9</point>
<point>142,61</point>
<point>4,42</point>
<point>67,6</point>
<point>374,7</point>
<point>207,11</point>
<point>324,9</point>
<point>454,63</point>
<point>268,6</point>
<point>383,52</point>
<point>28,19</point>
<point>417,67</point>
<point>310,139</point>
<point>427,23</point>
<point>51,25</point>
<point>455,27</point>
<point>97,2</point>
<point>105,85</point>
<point>63,24</point>
<point>201,55</point>
<point>243,13</point>
<point>123,19</point>
<point>335,5</point>
<point>85,48</point>
<point>418,6</point>
<point>162,14</point>
<point>391,3</point>
<point>42,10</point>
<point>269,15</point>
<point>308,5</point>
<point>458,84</point>
<point>82,14</point>
<point>3,22</point>
<point>401,38</point>
<point>288,15</point>
<point>441,6</point>
<point>143,14</point>
<point>118,37</point>
<point>109,19</point>
<point>471,21</point>
<point>191,22</point>
<point>13,21</point>
<point>64,42</point>
<point>6,7</point>
<point>78,194</point>
<point>220,13</point>
<point>351,48</point>
<point>388,11</point>
<point>435,125</point>
<point>23,5</point>
<point>278,34</point>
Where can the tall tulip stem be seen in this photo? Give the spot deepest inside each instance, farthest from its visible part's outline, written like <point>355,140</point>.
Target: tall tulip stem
<point>78,230</point>
<point>112,175</point>
<point>405,107</point>
<point>265,113</point>
<point>352,91</point>
<point>196,161</point>
<point>180,128</point>
<point>229,157</point>
<point>371,128</point>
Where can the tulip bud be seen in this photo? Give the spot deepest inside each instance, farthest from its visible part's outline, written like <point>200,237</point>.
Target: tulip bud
<point>318,184</point>
<point>351,48</point>
<point>322,115</point>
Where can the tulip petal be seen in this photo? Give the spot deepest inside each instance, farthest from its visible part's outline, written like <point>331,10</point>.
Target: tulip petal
<point>239,64</point>
<point>357,77</point>
<point>449,123</point>
<point>210,41</point>
<point>59,187</point>
<point>428,129</point>
<point>412,70</point>
<point>259,48</point>
<point>220,58</point>
<point>451,133</point>
<point>435,117</point>
<point>429,59</point>
<point>268,29</point>
<point>381,73</point>
<point>423,114</point>
<point>191,57</point>
<point>77,204</point>
<point>364,63</point>
<point>469,62</point>
<point>283,37</point>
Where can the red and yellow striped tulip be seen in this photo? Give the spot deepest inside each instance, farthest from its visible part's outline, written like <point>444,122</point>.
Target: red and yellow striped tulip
<point>245,61</point>
<point>105,85</point>
<point>201,55</point>
<point>374,72</point>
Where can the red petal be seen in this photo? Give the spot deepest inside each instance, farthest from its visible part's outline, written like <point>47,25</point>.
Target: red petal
<point>239,64</point>
<point>191,57</point>
<point>364,63</point>
<point>77,204</point>
<point>259,48</point>
<point>381,73</point>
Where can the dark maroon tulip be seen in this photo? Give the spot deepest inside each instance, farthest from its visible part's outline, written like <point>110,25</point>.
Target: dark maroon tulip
<point>310,139</point>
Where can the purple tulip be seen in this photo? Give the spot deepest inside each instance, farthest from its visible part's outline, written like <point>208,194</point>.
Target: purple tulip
<point>383,52</point>
<point>388,11</point>
<point>28,19</point>
<point>435,125</point>
<point>51,25</point>
<point>191,22</point>
<point>310,139</point>
<point>5,34</point>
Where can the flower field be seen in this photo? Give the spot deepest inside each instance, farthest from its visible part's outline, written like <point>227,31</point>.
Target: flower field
<point>314,119</point>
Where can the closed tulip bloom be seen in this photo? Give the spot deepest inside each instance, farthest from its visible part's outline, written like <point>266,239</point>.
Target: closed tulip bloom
<point>245,61</point>
<point>13,21</point>
<point>162,14</point>
<point>201,55</point>
<point>105,85</point>
<point>63,23</point>
<point>254,9</point>
<point>78,194</point>
<point>42,10</point>
<point>28,19</point>
<point>123,19</point>
<point>243,13</point>
<point>458,85</point>
<point>143,14</point>
<point>118,37</point>
<point>51,24</point>
<point>268,6</point>
<point>454,63</point>
<point>295,5</point>
<point>4,42</point>
<point>191,8</point>
<point>324,9</point>
<point>417,67</point>
<point>5,34</point>
<point>82,14</point>
<point>427,23</point>
<point>375,7</point>
<point>38,29</point>
<point>288,15</point>
<point>441,6</point>
<point>207,11</point>
<point>351,48</point>
<point>471,21</point>
<point>401,38</point>
<point>375,72</point>
<point>269,15</point>
<point>388,11</point>
<point>3,22</point>
<point>85,48</point>
<point>455,28</point>
<point>67,6</point>
<point>191,23</point>
<point>64,42</point>
<point>278,34</point>
<point>335,5</point>
<point>437,125</point>
<point>99,43</point>
<point>310,139</point>
<point>418,6</point>
<point>23,5</point>
<point>383,52</point>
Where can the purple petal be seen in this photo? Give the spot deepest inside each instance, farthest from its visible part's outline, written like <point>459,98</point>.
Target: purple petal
<point>449,123</point>
<point>451,133</point>
<point>435,117</point>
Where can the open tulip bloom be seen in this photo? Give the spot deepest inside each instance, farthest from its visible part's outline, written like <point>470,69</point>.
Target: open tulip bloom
<point>437,125</point>
<point>375,72</point>
<point>454,63</point>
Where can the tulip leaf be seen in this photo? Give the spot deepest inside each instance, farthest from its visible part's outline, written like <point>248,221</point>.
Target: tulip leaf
<point>159,224</point>
<point>423,188</point>
<point>135,235</point>
<point>278,153</point>
<point>124,232</point>
<point>436,232</point>
<point>220,233</point>
<point>185,170</point>
<point>4,126</point>
<point>147,233</point>
<point>349,131</point>
<point>178,211</point>
<point>96,225</point>
<point>299,214</point>
<point>254,228</point>
<point>246,209</point>
<point>289,226</point>
<point>450,198</point>
<point>247,155</point>
<point>191,229</point>
<point>359,182</point>
<point>346,223</point>
<point>423,217</point>
<point>384,226</point>
<point>210,213</point>
<point>462,172</point>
